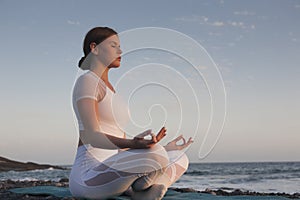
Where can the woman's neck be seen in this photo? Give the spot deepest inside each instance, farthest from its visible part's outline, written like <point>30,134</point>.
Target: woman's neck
<point>104,75</point>
<point>102,72</point>
<point>99,69</point>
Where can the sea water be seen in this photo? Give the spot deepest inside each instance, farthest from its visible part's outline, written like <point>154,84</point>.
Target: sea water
<point>258,177</point>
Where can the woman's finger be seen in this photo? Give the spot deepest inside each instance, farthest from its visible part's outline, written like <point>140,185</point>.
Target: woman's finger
<point>184,142</point>
<point>153,138</point>
<point>144,134</point>
<point>161,134</point>
<point>190,141</point>
<point>178,138</point>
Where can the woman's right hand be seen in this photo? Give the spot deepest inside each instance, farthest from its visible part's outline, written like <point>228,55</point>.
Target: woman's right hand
<point>139,141</point>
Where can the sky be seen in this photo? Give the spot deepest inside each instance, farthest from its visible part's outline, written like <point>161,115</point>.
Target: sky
<point>252,47</point>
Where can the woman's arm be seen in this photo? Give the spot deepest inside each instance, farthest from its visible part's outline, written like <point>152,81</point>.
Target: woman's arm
<point>88,109</point>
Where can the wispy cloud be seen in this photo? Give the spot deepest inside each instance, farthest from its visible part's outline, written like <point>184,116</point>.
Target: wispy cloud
<point>193,18</point>
<point>214,34</point>
<point>244,13</point>
<point>297,6</point>
<point>71,22</point>
<point>293,37</point>
<point>203,20</point>
<point>217,23</point>
<point>241,25</point>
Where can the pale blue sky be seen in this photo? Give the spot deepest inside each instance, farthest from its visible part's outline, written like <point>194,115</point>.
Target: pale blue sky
<point>256,45</point>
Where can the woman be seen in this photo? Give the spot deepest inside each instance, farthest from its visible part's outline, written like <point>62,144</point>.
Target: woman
<point>142,168</point>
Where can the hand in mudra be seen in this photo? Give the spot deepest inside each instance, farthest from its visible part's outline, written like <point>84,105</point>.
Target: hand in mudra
<point>174,146</point>
<point>141,142</point>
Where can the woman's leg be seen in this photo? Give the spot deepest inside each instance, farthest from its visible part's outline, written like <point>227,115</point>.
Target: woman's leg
<point>136,167</point>
<point>178,164</point>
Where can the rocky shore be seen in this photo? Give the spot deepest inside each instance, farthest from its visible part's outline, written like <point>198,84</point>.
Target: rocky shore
<point>237,192</point>
<point>6,185</point>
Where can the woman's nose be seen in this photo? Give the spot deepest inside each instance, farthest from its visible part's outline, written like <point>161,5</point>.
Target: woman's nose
<point>120,50</point>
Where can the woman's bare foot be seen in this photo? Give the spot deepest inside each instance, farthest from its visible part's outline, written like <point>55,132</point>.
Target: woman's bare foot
<point>155,192</point>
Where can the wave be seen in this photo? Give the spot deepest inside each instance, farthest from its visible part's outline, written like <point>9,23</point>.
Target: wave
<point>250,172</point>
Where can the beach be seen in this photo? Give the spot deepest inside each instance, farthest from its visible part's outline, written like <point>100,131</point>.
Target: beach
<point>51,190</point>
<point>201,181</point>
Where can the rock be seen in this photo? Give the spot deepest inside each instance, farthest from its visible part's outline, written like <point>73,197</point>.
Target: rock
<point>184,190</point>
<point>237,192</point>
<point>64,180</point>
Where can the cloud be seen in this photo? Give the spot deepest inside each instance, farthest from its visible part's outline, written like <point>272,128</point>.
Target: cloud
<point>193,18</point>
<point>244,13</point>
<point>217,23</point>
<point>231,44</point>
<point>239,38</point>
<point>237,24</point>
<point>293,38</point>
<point>73,22</point>
<point>297,6</point>
<point>214,34</point>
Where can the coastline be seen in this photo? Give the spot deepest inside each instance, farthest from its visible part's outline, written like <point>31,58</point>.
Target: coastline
<point>226,181</point>
<point>7,187</point>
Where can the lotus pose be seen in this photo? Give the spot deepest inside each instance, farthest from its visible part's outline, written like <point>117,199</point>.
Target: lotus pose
<point>107,164</point>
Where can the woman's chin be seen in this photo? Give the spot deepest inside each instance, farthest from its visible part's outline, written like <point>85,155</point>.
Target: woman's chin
<point>115,64</point>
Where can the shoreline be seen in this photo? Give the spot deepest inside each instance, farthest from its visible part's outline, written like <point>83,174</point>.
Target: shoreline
<point>6,185</point>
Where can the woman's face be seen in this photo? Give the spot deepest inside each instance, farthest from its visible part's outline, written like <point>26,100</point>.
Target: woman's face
<point>109,52</point>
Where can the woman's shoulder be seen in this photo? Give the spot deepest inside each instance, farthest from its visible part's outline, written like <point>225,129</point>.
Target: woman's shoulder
<point>90,78</point>
<point>89,85</point>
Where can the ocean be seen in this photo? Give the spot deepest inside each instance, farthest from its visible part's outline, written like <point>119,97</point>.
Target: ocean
<point>259,177</point>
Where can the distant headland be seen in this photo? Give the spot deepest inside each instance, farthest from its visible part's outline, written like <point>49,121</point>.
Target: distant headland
<point>8,165</point>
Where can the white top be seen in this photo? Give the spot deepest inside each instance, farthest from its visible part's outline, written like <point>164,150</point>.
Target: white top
<point>112,111</point>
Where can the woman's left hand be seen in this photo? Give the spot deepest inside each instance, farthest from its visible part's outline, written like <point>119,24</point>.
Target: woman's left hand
<point>173,146</point>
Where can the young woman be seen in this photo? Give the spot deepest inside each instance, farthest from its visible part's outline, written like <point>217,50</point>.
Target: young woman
<point>107,164</point>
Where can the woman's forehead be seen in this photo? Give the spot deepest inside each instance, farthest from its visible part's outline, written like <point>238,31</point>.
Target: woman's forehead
<point>113,38</point>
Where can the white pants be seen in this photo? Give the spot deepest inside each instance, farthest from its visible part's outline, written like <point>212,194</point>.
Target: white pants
<point>136,168</point>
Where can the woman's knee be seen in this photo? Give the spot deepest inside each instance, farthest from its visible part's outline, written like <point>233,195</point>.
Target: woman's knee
<point>179,158</point>
<point>159,154</point>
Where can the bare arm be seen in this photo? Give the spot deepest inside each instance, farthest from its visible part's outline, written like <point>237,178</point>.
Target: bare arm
<point>88,109</point>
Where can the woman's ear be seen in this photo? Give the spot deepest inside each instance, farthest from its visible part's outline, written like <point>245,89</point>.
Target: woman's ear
<point>94,49</point>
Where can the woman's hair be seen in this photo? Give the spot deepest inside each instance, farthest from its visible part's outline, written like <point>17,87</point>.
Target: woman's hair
<point>95,35</point>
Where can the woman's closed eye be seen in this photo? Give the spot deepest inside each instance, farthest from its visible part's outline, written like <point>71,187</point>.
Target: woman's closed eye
<point>114,45</point>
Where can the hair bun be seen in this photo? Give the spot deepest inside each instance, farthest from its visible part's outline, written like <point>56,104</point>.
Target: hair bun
<point>81,61</point>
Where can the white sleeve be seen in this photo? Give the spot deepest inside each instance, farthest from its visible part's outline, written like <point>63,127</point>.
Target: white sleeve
<point>89,87</point>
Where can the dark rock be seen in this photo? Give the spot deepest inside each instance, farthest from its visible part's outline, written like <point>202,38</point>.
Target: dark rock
<point>237,192</point>
<point>184,190</point>
<point>64,180</point>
